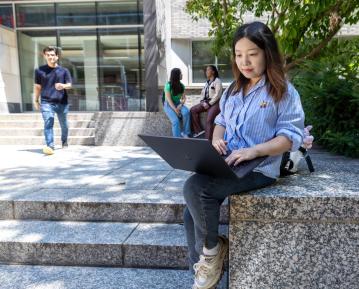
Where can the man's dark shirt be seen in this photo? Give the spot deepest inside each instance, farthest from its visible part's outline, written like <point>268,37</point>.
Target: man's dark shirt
<point>47,76</point>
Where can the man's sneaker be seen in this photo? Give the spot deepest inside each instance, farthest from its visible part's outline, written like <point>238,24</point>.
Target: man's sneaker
<point>65,145</point>
<point>209,269</point>
<point>195,135</point>
<point>48,150</point>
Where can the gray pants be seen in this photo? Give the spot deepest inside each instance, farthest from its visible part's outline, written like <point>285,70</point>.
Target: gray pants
<point>204,196</point>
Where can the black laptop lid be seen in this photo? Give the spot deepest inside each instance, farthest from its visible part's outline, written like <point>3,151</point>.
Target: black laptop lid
<point>196,155</point>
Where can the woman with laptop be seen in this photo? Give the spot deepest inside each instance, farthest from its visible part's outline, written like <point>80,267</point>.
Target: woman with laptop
<point>173,104</point>
<point>261,115</point>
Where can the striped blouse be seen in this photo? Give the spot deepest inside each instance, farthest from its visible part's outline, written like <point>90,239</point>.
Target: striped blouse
<point>256,119</point>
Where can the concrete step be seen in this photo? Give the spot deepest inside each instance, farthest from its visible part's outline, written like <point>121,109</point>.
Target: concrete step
<point>40,132</point>
<point>139,245</point>
<point>96,204</point>
<point>66,277</point>
<point>38,117</point>
<point>126,184</point>
<point>40,124</point>
<point>39,140</point>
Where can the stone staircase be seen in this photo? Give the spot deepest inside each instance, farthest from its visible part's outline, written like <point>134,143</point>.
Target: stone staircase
<point>27,129</point>
<point>111,217</point>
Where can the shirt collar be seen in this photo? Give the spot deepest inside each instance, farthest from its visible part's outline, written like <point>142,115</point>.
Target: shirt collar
<point>259,84</point>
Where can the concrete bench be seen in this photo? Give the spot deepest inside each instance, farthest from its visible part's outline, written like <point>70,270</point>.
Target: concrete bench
<point>302,232</point>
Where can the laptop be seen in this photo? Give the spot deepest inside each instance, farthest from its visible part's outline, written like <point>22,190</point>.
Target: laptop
<point>197,155</point>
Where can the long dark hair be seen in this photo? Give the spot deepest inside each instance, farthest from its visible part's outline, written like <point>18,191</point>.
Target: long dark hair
<point>263,37</point>
<point>175,81</point>
<point>215,70</point>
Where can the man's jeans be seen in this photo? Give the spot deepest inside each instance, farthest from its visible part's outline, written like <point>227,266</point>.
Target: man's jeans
<point>204,196</point>
<point>48,111</point>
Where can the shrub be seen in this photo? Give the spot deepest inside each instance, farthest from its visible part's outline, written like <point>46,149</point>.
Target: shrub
<point>330,95</point>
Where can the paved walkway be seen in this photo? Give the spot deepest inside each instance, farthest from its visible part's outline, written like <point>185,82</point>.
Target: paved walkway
<point>26,169</point>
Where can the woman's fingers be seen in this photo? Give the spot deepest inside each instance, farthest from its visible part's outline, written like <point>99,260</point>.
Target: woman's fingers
<point>238,156</point>
<point>223,146</point>
<point>220,146</point>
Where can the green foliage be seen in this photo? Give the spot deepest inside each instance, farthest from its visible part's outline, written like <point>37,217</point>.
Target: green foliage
<point>303,28</point>
<point>329,89</point>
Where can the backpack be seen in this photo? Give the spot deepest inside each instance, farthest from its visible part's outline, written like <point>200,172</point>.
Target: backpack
<point>290,160</point>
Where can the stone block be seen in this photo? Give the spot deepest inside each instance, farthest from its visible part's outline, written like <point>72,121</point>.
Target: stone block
<point>302,232</point>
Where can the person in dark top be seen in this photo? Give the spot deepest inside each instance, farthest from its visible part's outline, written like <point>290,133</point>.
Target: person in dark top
<point>51,83</point>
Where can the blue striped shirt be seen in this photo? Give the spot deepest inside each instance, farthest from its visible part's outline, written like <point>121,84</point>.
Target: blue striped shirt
<point>256,118</point>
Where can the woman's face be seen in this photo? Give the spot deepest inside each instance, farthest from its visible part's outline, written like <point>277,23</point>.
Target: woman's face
<point>209,72</point>
<point>250,59</point>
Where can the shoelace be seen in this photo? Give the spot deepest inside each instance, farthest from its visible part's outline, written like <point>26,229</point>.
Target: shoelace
<point>202,267</point>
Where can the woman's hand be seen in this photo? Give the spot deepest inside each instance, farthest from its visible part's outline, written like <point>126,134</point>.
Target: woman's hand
<point>183,99</point>
<point>177,110</point>
<point>220,145</point>
<point>205,105</point>
<point>241,155</point>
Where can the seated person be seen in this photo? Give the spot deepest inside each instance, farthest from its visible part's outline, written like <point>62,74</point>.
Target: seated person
<point>211,94</point>
<point>174,99</point>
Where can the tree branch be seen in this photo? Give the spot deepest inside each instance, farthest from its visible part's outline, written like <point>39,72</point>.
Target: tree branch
<point>225,8</point>
<point>280,15</point>
<point>332,10</point>
<point>316,50</point>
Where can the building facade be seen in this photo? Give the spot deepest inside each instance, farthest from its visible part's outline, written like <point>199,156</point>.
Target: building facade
<point>102,44</point>
<point>119,53</point>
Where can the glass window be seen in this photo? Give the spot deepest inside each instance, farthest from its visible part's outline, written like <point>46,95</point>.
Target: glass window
<point>140,11</point>
<point>79,56</point>
<point>75,14</point>
<point>120,70</point>
<point>35,15</point>
<point>224,66</point>
<point>31,44</point>
<point>119,12</point>
<point>202,56</point>
<point>142,67</point>
<point>6,16</point>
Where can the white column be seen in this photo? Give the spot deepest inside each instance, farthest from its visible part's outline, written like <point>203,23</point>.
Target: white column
<point>91,79</point>
<point>3,101</point>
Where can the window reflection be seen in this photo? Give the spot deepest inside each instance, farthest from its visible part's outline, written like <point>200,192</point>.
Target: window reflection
<point>120,85</point>
<point>31,44</point>
<point>70,14</point>
<point>202,56</point>
<point>35,15</point>
<point>119,12</point>
<point>6,16</point>
<point>106,65</point>
<point>79,55</point>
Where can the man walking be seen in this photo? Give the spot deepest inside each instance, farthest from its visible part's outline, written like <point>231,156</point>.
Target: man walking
<point>51,83</point>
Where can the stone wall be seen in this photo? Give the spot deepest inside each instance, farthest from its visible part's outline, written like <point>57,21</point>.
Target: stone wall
<point>302,232</point>
<point>122,128</point>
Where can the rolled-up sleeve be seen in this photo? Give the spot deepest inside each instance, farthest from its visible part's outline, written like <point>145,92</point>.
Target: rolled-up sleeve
<point>220,120</point>
<point>290,122</point>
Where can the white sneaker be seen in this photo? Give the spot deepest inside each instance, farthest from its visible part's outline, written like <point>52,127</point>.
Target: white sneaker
<point>184,135</point>
<point>209,269</point>
<point>198,134</point>
<point>48,150</point>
